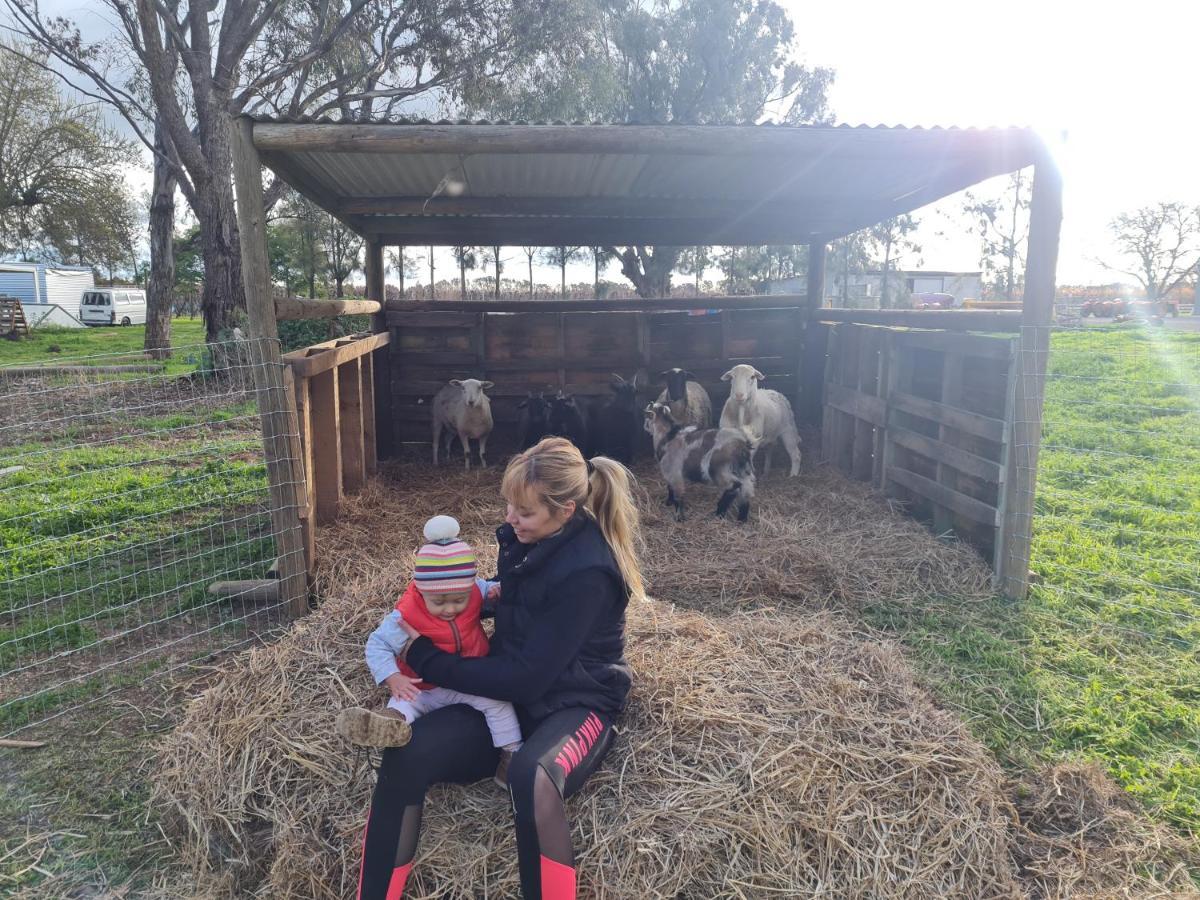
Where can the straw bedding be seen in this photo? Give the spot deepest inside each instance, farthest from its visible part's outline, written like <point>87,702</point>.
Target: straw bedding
<point>766,752</point>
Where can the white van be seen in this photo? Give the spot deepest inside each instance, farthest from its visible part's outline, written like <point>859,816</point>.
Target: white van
<point>113,306</point>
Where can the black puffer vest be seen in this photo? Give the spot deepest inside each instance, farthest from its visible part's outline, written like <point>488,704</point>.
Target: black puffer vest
<point>535,578</point>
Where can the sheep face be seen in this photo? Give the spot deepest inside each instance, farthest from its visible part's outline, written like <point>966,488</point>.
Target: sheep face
<point>473,389</point>
<point>676,381</point>
<point>744,380</point>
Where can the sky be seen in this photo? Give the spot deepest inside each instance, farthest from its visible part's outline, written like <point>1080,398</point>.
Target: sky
<point>1112,94</point>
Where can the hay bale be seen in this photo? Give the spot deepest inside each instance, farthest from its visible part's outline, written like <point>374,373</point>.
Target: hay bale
<point>762,754</point>
<point>766,752</point>
<point>1080,835</point>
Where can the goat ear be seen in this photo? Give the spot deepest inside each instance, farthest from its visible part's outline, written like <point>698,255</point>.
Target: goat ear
<point>727,376</point>
<point>759,376</point>
<point>617,379</point>
<point>522,404</point>
<point>456,382</point>
<point>690,377</point>
<point>662,376</point>
<point>488,385</point>
<point>635,380</point>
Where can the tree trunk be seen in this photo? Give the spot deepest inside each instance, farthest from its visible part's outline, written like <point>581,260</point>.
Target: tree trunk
<point>462,279</point>
<point>530,277</point>
<point>223,292</point>
<point>496,257</point>
<point>596,273</point>
<point>432,293</point>
<point>562,262</point>
<point>401,258</point>
<point>161,287</point>
<point>649,272</point>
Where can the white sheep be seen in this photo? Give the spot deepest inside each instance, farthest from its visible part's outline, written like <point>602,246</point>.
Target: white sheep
<point>462,408</point>
<point>764,415</point>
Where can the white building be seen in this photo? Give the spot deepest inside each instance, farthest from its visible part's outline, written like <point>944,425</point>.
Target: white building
<point>49,294</point>
<point>863,290</point>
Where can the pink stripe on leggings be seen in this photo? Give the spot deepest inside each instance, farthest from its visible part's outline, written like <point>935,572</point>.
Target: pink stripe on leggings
<point>558,881</point>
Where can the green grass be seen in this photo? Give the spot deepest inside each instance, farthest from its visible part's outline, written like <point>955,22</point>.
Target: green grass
<point>120,516</point>
<point>1101,661</point>
<point>51,345</point>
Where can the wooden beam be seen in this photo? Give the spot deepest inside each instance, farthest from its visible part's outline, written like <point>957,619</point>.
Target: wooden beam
<point>808,391</point>
<point>10,371</point>
<point>327,445</point>
<point>1002,320</point>
<point>1045,221</point>
<point>370,441</point>
<point>1014,148</point>
<point>300,308</point>
<point>258,591</point>
<point>375,282</point>
<point>326,358</point>
<point>277,413</point>
<point>972,423</point>
<point>674,304</point>
<point>640,207</point>
<point>962,460</point>
<point>308,519</point>
<point>350,421</point>
<point>973,509</point>
<point>292,308</point>
<point>857,404</point>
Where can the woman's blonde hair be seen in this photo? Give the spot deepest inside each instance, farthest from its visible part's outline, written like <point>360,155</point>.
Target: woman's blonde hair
<point>554,472</point>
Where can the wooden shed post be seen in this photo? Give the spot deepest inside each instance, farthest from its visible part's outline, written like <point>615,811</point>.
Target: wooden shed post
<point>379,368</point>
<point>1045,219</point>
<point>281,435</point>
<point>811,372</point>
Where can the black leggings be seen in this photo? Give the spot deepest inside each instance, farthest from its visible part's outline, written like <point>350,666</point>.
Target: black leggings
<point>453,745</point>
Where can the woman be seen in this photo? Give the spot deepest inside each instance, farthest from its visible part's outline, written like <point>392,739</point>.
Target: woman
<point>567,567</point>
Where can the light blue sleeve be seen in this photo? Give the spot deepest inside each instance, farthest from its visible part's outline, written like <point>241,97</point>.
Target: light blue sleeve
<point>383,645</point>
<point>489,606</point>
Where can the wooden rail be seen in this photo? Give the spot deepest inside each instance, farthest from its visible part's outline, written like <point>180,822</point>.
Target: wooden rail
<point>335,412</point>
<point>300,308</point>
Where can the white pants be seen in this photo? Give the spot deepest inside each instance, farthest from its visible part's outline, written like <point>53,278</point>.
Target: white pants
<point>500,715</point>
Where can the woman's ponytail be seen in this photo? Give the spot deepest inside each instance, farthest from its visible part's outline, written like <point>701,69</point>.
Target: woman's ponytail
<point>611,502</point>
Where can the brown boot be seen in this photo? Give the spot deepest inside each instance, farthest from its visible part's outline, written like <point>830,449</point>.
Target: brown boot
<point>373,729</point>
<point>501,776</point>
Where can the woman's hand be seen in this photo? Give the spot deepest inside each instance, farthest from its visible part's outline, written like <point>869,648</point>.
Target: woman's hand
<point>402,687</point>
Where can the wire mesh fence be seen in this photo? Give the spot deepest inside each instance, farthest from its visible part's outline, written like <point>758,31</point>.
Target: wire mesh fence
<point>126,490</point>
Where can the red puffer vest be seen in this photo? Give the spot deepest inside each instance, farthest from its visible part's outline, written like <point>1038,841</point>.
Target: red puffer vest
<point>462,635</point>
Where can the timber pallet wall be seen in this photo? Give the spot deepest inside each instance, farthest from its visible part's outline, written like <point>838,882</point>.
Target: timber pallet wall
<point>926,417</point>
<point>578,352</point>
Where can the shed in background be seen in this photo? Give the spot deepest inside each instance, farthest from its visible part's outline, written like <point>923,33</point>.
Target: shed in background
<point>50,294</point>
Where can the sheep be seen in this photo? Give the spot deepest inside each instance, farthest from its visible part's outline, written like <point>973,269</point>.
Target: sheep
<point>689,402</point>
<point>462,408</point>
<point>614,421</point>
<point>764,415</point>
<point>535,419</point>
<point>568,419</point>
<point>720,456</point>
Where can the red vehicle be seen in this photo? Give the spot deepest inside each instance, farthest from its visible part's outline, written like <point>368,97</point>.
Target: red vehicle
<point>933,300</point>
<point>1106,309</point>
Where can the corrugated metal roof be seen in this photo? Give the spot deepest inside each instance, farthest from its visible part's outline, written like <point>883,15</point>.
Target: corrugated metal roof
<point>471,182</point>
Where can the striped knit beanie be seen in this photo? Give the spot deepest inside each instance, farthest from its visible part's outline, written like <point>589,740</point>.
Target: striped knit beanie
<point>444,563</point>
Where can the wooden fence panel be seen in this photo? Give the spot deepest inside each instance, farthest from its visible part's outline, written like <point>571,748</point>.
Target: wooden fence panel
<point>578,352</point>
<point>925,417</point>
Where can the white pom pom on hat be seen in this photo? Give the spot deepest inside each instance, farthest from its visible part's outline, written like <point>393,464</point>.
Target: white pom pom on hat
<point>441,528</point>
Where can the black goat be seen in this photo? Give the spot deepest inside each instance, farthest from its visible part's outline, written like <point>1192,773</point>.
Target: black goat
<point>535,419</point>
<point>568,419</point>
<point>616,422</point>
